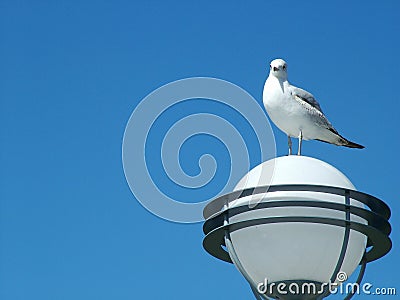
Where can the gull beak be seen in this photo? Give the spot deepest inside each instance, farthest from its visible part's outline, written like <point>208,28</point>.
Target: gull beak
<point>275,69</point>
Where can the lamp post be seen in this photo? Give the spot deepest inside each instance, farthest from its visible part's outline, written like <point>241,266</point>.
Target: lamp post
<point>298,234</point>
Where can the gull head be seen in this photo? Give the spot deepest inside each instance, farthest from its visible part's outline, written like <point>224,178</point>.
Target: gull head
<point>278,68</point>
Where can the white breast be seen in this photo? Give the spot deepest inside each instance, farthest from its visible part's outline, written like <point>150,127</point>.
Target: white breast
<point>288,114</point>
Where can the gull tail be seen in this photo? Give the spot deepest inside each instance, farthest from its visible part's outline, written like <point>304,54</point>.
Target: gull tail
<point>352,145</point>
<point>345,142</point>
<point>339,140</point>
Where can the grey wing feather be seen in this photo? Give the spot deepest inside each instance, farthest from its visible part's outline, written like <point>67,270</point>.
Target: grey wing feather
<point>305,96</point>
<point>308,99</point>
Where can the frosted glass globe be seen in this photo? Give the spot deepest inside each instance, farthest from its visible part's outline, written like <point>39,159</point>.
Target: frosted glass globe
<point>295,251</point>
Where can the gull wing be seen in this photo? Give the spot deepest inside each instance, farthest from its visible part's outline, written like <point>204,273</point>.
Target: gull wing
<point>305,96</point>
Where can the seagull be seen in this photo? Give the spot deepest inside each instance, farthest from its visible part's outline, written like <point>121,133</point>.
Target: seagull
<point>296,112</point>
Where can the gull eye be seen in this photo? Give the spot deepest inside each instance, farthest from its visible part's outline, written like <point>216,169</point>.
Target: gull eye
<point>270,66</point>
<point>284,67</point>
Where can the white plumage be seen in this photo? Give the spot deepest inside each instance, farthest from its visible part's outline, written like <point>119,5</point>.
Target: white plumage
<point>296,112</point>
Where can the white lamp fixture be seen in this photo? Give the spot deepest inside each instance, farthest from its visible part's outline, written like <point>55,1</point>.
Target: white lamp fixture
<point>296,235</point>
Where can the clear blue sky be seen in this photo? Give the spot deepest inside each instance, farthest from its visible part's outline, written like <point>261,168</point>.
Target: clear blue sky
<point>72,72</point>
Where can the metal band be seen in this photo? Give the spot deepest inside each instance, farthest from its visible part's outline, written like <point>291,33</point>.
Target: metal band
<point>372,202</point>
<point>359,278</point>
<point>373,219</point>
<point>381,243</point>
<point>344,246</point>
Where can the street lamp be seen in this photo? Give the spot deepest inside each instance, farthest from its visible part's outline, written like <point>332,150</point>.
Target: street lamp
<point>298,234</point>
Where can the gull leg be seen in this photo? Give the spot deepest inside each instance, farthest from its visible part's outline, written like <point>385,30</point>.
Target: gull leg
<point>289,141</point>
<point>300,141</point>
